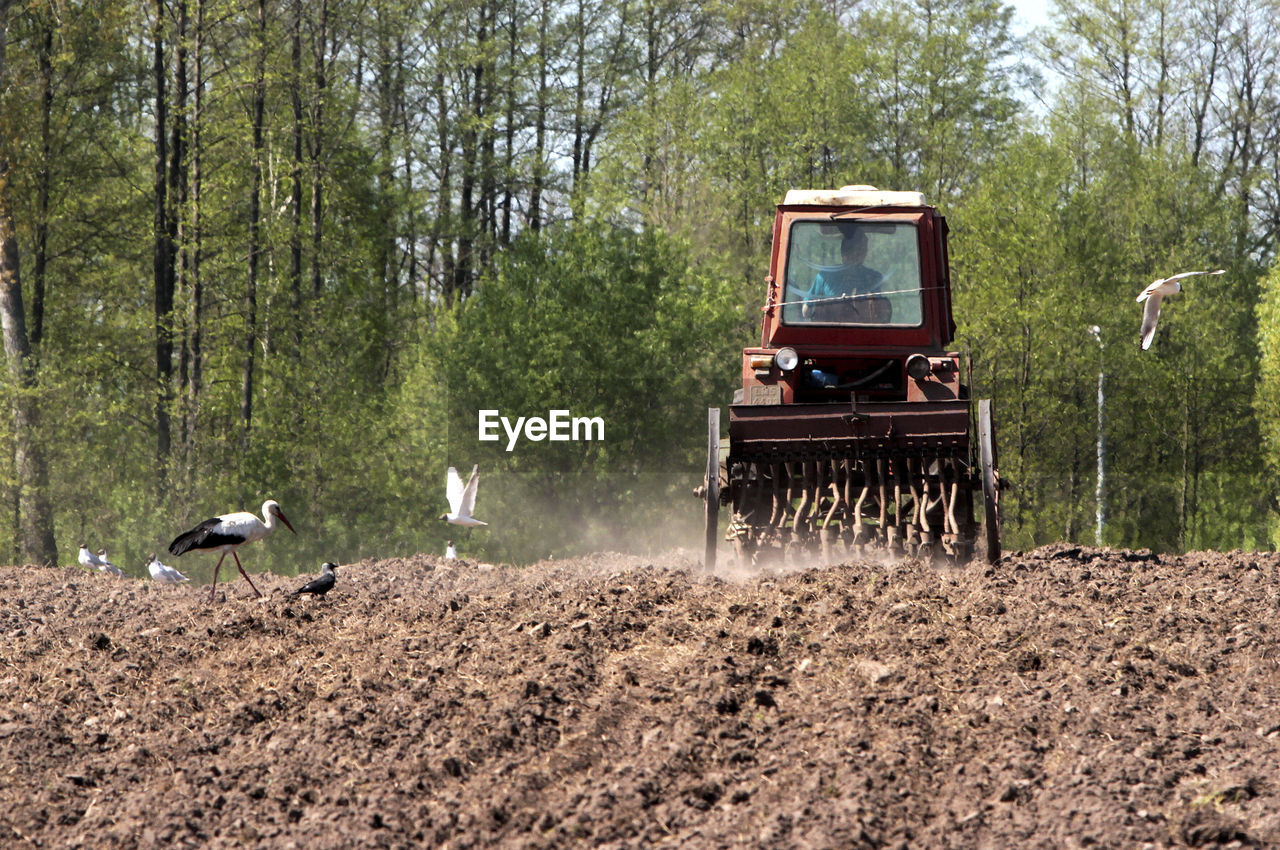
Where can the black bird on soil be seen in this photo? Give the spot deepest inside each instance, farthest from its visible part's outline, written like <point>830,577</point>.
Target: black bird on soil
<point>320,586</point>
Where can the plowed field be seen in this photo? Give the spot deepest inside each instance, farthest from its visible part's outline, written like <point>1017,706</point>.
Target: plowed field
<point>1065,697</point>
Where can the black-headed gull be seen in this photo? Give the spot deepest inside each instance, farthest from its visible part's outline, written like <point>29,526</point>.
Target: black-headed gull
<point>229,532</point>
<point>89,560</point>
<point>106,566</point>
<point>462,500</point>
<point>450,552</point>
<point>164,573</point>
<point>1153,295</point>
<point>320,586</point>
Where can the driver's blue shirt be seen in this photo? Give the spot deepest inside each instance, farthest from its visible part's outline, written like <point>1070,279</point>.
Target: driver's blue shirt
<point>847,280</point>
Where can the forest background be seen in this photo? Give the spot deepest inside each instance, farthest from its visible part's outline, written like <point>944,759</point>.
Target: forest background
<point>275,248</point>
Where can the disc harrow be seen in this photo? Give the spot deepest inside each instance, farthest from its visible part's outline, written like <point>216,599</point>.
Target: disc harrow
<point>859,506</point>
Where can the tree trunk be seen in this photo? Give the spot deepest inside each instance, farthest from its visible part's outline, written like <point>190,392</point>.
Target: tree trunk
<point>488,149</point>
<point>36,542</point>
<point>387,65</point>
<point>162,252</point>
<point>191,372</point>
<point>540,120</point>
<point>508,163</point>
<point>43,181</point>
<point>295,180</point>
<point>35,516</point>
<point>471,142</point>
<point>179,265</point>
<point>411,230</point>
<point>444,213</point>
<point>257,109</point>
<point>579,107</point>
<point>319,52</point>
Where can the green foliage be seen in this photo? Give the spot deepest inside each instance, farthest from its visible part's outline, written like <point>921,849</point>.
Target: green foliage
<point>599,322</point>
<point>832,100</point>
<point>1022,317</point>
<point>460,161</point>
<point>1266,400</point>
<point>1065,236</point>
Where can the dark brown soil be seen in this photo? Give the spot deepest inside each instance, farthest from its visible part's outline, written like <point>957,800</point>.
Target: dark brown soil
<point>1066,697</point>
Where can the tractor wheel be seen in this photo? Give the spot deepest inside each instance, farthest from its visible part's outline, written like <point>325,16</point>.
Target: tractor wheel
<point>711,488</point>
<point>990,479</point>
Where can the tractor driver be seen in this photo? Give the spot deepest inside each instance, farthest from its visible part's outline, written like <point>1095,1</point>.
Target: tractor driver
<point>840,295</point>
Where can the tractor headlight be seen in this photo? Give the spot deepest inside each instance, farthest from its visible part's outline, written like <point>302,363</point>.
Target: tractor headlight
<point>919,367</point>
<point>786,359</point>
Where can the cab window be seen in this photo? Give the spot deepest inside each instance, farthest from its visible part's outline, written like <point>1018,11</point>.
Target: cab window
<point>858,273</point>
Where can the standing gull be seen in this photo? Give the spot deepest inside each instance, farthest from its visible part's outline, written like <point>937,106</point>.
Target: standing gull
<point>451,552</point>
<point>1154,294</point>
<point>228,533</point>
<point>88,559</point>
<point>164,573</point>
<point>106,566</point>
<point>462,500</point>
<point>320,586</point>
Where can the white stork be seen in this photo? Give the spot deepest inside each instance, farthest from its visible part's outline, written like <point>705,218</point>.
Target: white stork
<point>228,533</point>
<point>462,500</point>
<point>164,573</point>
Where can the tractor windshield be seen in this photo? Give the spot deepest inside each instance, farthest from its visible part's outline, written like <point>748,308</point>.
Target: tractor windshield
<point>853,273</point>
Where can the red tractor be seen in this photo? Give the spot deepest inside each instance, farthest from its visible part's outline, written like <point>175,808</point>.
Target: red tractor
<point>853,425</point>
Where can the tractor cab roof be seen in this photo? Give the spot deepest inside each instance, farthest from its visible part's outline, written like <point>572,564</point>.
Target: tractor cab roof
<point>852,196</point>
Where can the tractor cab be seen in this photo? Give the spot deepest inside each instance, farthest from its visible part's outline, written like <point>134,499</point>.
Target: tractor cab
<point>857,287</point>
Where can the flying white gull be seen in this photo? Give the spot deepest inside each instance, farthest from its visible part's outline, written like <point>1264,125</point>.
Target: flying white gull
<point>164,573</point>
<point>1153,295</point>
<point>106,566</point>
<point>462,500</point>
